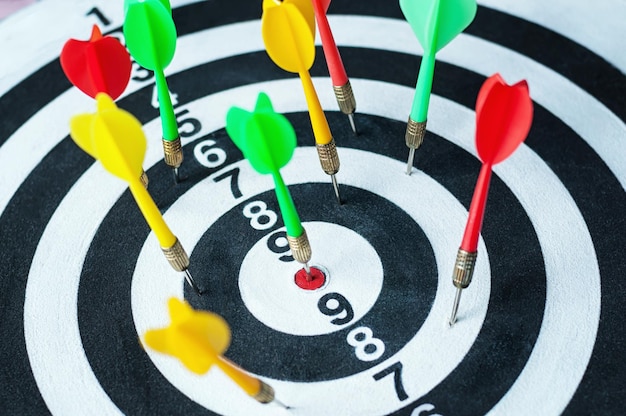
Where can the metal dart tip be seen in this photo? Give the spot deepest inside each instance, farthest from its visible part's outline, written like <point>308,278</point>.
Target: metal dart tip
<point>455,307</point>
<point>409,163</point>
<point>278,402</point>
<point>176,175</point>
<point>333,178</point>
<point>352,124</point>
<point>192,282</point>
<point>307,269</point>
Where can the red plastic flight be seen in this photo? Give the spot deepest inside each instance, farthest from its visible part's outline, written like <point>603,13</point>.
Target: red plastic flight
<point>100,64</point>
<point>503,117</point>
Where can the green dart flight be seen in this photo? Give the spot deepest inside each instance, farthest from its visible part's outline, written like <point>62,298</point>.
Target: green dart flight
<point>150,36</point>
<point>268,140</point>
<point>435,23</point>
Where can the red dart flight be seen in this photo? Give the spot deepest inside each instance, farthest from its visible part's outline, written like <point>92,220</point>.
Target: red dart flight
<point>100,64</point>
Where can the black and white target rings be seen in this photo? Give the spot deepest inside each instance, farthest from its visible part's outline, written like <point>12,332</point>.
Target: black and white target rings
<point>540,331</point>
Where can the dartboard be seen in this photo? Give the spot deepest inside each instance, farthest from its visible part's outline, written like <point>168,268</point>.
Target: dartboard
<point>539,331</point>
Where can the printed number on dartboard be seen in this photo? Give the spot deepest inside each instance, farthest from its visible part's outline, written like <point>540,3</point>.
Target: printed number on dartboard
<point>139,73</point>
<point>211,156</point>
<point>367,347</point>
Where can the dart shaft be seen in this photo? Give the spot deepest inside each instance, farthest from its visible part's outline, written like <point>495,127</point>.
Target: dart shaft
<point>287,207</point>
<point>321,130</point>
<point>251,385</point>
<point>152,214</point>
<point>168,119</point>
<point>477,210</point>
<point>419,110</point>
<point>331,52</point>
<point>336,69</point>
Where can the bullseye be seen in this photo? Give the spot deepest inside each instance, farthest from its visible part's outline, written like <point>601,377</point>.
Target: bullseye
<point>313,280</point>
<point>345,262</point>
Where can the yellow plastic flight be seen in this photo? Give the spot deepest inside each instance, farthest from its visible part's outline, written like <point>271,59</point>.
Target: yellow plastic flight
<point>288,30</point>
<point>118,139</point>
<point>80,130</point>
<point>300,4</point>
<point>115,138</point>
<point>198,339</point>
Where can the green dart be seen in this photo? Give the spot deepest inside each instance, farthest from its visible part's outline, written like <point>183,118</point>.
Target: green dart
<point>150,36</point>
<point>435,23</point>
<point>267,139</point>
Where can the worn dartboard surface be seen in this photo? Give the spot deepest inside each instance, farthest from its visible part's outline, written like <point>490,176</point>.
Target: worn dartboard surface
<point>540,330</point>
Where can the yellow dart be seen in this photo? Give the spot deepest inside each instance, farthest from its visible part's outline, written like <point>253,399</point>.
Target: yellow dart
<point>198,339</point>
<point>115,138</point>
<point>81,133</point>
<point>288,29</point>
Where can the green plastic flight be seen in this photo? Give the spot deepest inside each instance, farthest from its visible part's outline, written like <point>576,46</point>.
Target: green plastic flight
<point>165,4</point>
<point>150,33</point>
<point>435,23</point>
<point>150,36</point>
<point>267,139</point>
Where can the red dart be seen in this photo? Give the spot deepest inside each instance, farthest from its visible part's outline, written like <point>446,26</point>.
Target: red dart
<point>100,64</point>
<point>331,52</point>
<point>504,115</point>
<point>338,75</point>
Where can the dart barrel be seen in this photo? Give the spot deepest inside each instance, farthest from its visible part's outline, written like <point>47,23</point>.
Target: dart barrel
<point>345,98</point>
<point>464,268</point>
<point>329,159</point>
<point>415,132</point>
<point>144,179</point>
<point>173,152</point>
<point>265,394</point>
<point>300,247</point>
<point>177,256</point>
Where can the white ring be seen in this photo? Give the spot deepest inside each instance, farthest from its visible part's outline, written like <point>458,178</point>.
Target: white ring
<point>455,123</point>
<point>84,237</point>
<point>437,212</point>
<point>354,270</point>
<point>587,116</point>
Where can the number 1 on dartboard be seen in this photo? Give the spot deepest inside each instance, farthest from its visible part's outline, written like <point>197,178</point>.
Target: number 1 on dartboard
<point>99,15</point>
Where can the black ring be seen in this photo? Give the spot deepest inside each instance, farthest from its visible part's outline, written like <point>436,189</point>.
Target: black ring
<point>38,196</point>
<point>406,296</point>
<point>105,310</point>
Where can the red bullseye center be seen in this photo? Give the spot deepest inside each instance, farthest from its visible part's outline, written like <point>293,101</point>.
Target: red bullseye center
<point>314,281</point>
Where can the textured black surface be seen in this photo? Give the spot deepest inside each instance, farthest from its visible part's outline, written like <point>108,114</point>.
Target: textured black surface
<point>506,339</point>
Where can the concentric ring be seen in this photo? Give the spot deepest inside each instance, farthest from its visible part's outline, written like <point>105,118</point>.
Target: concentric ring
<point>556,156</point>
